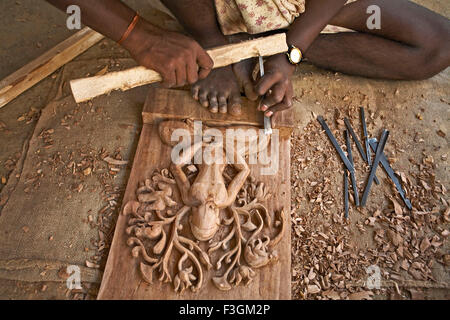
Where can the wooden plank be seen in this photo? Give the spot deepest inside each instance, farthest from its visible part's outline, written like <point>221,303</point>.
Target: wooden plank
<point>122,278</point>
<point>37,70</point>
<point>178,105</point>
<point>89,88</point>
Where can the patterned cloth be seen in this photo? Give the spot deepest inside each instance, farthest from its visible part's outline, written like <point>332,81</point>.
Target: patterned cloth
<point>257,16</point>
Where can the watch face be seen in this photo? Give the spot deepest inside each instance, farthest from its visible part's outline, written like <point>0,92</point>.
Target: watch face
<point>295,55</point>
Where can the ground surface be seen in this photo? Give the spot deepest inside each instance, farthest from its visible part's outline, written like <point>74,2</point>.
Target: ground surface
<point>59,198</point>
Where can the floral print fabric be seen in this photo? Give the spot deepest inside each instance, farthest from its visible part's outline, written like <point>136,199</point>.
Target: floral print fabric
<point>257,16</point>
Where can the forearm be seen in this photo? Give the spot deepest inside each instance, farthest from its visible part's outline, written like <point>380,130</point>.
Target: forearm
<point>109,17</point>
<point>198,17</point>
<point>179,59</point>
<point>318,14</point>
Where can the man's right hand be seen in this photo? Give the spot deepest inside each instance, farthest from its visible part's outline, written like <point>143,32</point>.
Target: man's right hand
<point>179,59</point>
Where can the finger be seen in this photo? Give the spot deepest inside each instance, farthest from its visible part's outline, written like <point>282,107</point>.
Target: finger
<point>223,106</point>
<point>169,79</point>
<point>181,76</point>
<point>275,109</point>
<point>289,95</point>
<point>191,72</point>
<point>265,83</point>
<point>274,97</point>
<point>235,104</point>
<point>213,103</point>
<point>203,59</point>
<point>250,92</point>
<point>203,98</point>
<point>284,105</point>
<point>203,73</point>
<point>194,91</point>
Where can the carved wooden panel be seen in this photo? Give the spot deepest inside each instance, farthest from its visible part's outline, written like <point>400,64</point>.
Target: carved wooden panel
<point>200,231</point>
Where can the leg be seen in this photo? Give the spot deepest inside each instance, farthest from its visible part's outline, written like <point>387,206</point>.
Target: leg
<point>180,177</point>
<point>238,181</point>
<point>243,70</point>
<point>413,42</point>
<point>220,90</point>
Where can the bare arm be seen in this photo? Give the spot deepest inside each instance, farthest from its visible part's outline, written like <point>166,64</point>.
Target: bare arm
<point>318,14</point>
<point>302,34</point>
<point>198,17</point>
<point>179,59</point>
<point>110,18</point>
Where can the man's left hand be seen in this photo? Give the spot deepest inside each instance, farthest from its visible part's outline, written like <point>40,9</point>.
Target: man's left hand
<point>276,85</point>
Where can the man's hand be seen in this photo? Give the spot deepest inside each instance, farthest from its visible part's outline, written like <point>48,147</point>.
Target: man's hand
<point>276,85</point>
<point>179,59</point>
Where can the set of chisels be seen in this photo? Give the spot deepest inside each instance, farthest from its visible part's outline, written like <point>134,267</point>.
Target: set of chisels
<point>370,144</point>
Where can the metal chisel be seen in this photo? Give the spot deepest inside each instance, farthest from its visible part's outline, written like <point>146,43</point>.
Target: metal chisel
<point>366,136</point>
<point>335,144</point>
<point>375,163</point>
<point>352,174</point>
<point>267,121</point>
<point>387,167</point>
<point>358,145</point>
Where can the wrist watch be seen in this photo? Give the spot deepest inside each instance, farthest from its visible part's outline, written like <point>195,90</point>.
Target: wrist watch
<point>294,54</point>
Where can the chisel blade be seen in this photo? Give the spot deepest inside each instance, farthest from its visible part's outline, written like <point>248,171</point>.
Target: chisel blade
<point>379,152</point>
<point>345,194</point>
<point>366,136</point>
<point>336,144</point>
<point>352,174</point>
<point>267,121</point>
<point>387,167</point>
<point>358,145</point>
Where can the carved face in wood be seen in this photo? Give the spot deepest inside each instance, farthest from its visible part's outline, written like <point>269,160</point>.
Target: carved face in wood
<point>205,221</point>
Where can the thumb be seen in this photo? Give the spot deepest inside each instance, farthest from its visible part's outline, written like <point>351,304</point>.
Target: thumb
<point>204,62</point>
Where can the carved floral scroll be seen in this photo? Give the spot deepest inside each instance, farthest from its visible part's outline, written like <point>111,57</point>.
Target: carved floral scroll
<point>161,221</point>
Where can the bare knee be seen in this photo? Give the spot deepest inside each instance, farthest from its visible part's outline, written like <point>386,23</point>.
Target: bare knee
<point>432,56</point>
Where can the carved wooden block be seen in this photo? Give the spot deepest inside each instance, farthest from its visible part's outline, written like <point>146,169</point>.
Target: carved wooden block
<point>203,229</point>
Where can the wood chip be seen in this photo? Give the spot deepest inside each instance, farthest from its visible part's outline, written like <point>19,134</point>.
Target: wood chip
<point>441,133</point>
<point>115,162</point>
<point>363,295</point>
<point>312,289</point>
<point>397,207</point>
<point>62,273</point>
<point>92,265</point>
<point>102,72</point>
<point>394,237</point>
<point>331,294</point>
<point>425,244</point>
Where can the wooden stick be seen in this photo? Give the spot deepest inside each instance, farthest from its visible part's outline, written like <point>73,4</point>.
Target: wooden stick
<point>88,88</point>
<point>37,70</point>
